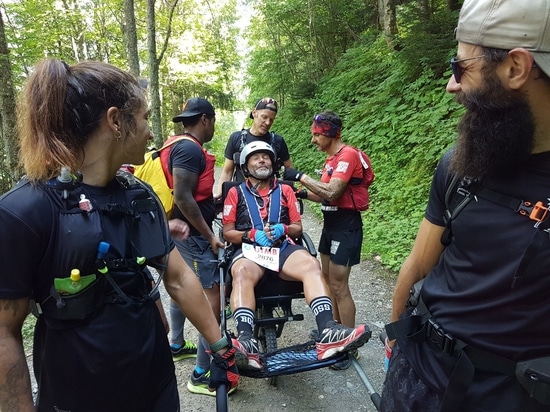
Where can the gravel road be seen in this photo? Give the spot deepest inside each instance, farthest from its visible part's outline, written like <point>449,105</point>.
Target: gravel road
<point>321,389</point>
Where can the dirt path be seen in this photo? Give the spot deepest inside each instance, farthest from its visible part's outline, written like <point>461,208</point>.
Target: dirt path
<point>321,389</point>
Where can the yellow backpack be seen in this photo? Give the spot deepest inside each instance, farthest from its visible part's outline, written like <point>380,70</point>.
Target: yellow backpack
<point>154,171</point>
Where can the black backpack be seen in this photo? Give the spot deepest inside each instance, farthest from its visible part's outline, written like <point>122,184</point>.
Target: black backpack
<point>462,189</point>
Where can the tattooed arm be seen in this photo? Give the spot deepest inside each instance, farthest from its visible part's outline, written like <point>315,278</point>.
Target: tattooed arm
<point>330,191</point>
<point>15,384</point>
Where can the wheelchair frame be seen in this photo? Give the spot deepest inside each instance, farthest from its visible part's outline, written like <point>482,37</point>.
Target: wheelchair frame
<point>273,310</point>
<point>274,296</point>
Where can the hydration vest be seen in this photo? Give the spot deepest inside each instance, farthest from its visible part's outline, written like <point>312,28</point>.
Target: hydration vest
<point>80,243</point>
<point>205,181</point>
<point>274,212</point>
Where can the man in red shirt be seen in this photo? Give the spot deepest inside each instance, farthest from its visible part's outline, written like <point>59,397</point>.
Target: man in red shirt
<point>343,192</point>
<point>260,217</point>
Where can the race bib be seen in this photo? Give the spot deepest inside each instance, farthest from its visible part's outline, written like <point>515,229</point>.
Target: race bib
<point>268,257</point>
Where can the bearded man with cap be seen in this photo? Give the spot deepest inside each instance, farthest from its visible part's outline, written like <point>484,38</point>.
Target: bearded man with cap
<point>260,216</point>
<point>192,169</point>
<point>479,337</point>
<point>263,116</point>
<point>342,236</point>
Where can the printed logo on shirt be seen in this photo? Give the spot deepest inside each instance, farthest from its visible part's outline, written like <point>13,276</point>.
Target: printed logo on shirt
<point>227,210</point>
<point>341,167</point>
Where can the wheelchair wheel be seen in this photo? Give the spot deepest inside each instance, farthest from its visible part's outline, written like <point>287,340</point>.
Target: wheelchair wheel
<point>268,341</point>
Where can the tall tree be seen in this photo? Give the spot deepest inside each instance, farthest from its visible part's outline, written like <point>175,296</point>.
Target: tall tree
<point>7,110</point>
<point>10,170</point>
<point>154,63</point>
<point>130,37</point>
<point>388,21</point>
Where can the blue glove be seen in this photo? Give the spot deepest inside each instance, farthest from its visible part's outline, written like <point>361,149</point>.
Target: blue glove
<point>261,239</point>
<point>292,174</point>
<point>278,230</point>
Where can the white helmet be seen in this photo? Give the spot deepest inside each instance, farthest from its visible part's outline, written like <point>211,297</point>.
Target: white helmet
<point>255,147</point>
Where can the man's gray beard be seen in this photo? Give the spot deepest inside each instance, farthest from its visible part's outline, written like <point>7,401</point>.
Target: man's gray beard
<point>262,173</point>
<point>496,134</point>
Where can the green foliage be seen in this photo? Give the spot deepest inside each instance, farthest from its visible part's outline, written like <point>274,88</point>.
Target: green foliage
<point>424,41</point>
<point>28,332</point>
<point>295,42</point>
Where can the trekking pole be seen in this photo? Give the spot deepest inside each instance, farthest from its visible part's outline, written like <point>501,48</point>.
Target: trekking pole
<point>221,399</point>
<point>222,402</point>
<point>375,397</point>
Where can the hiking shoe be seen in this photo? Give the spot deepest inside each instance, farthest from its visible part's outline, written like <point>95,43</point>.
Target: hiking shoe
<point>346,363</point>
<point>228,313</point>
<point>179,352</point>
<point>199,384</point>
<point>338,338</point>
<point>247,355</point>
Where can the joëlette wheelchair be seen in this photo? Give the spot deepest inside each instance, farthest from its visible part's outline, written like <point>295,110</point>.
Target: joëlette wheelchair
<point>274,298</point>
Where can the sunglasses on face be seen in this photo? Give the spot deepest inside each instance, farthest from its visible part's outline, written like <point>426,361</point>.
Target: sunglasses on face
<point>265,101</point>
<point>319,119</point>
<point>457,69</point>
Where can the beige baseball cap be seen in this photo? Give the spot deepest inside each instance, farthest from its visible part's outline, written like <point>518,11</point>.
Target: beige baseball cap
<point>507,24</point>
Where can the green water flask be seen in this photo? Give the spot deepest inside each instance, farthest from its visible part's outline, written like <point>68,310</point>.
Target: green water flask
<point>73,284</point>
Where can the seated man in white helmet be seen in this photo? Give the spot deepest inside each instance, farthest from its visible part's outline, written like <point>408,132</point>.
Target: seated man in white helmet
<point>260,218</point>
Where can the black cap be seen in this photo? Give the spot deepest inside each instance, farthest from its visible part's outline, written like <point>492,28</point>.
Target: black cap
<point>194,107</point>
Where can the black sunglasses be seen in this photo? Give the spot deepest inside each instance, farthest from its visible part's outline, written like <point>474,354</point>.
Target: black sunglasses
<point>457,69</point>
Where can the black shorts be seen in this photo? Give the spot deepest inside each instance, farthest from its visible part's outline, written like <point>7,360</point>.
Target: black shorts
<point>343,246</point>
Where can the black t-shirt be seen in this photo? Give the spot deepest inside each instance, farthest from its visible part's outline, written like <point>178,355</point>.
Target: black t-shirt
<point>479,292</point>
<point>237,140</point>
<point>120,359</point>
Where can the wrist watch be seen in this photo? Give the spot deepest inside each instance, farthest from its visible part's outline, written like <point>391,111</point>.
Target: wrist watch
<point>219,345</point>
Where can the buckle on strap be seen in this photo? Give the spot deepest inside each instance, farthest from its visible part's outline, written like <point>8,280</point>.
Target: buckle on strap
<point>437,335</point>
<point>536,212</point>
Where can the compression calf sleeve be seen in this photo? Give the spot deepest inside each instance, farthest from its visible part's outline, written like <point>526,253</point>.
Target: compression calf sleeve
<point>177,322</point>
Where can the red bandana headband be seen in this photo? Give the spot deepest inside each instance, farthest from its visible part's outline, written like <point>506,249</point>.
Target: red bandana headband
<point>325,128</point>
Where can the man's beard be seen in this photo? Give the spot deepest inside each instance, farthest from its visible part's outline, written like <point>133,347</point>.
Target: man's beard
<point>496,134</point>
<point>262,173</point>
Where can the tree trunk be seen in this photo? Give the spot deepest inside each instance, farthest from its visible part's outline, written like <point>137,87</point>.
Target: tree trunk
<point>424,8</point>
<point>156,119</point>
<point>154,63</point>
<point>388,21</point>
<point>130,37</point>
<point>9,170</point>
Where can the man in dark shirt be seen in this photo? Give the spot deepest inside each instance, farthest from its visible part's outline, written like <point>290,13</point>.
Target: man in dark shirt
<point>192,169</point>
<point>263,116</point>
<point>484,306</point>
